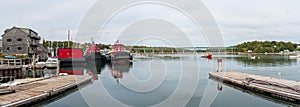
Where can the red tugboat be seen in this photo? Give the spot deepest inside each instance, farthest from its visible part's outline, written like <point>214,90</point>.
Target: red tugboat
<point>93,55</point>
<point>119,54</point>
<point>70,57</point>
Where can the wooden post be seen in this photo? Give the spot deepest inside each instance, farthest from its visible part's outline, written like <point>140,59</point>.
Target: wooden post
<point>58,67</point>
<point>33,66</point>
<point>219,65</point>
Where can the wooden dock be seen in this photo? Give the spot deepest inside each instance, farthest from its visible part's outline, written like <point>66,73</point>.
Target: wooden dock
<point>286,90</point>
<point>37,91</point>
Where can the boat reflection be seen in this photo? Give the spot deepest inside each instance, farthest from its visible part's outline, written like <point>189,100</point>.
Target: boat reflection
<point>91,70</point>
<point>72,70</point>
<point>118,68</point>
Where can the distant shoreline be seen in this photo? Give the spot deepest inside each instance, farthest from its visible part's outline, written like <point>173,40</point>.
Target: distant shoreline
<point>222,53</point>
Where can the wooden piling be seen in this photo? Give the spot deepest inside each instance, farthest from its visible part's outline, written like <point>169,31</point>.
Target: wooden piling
<point>58,67</point>
<point>219,65</point>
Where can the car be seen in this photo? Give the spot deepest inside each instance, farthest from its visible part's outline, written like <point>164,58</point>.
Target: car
<point>11,57</point>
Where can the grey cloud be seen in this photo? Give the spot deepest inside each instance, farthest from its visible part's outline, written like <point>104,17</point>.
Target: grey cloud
<point>239,20</point>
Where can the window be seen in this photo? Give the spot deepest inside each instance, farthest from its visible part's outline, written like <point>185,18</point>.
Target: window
<point>8,48</point>
<point>19,48</point>
<point>19,39</point>
<point>8,40</point>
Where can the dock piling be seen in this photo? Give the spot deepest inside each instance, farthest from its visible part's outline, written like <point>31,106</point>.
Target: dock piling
<point>58,68</point>
<point>219,65</point>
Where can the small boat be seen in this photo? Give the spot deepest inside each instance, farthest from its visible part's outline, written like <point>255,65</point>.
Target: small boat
<point>40,64</point>
<point>295,57</point>
<point>208,56</point>
<point>51,63</point>
<point>253,57</point>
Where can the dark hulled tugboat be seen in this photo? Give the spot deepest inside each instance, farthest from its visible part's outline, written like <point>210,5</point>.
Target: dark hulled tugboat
<point>93,55</point>
<point>118,54</point>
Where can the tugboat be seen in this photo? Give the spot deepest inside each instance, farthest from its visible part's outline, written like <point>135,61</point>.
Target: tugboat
<point>70,57</point>
<point>119,54</point>
<point>93,55</point>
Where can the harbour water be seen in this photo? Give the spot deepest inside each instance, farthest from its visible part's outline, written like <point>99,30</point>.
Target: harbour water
<point>149,81</point>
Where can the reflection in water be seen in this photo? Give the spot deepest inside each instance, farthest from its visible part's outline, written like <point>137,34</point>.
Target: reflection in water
<point>264,60</point>
<point>72,70</point>
<point>91,69</point>
<point>219,87</point>
<point>214,97</point>
<point>118,68</point>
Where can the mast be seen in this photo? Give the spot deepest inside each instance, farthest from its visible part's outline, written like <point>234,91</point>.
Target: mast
<point>93,41</point>
<point>68,38</point>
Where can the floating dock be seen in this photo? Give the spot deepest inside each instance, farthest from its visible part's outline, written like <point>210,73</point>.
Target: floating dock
<point>33,92</point>
<point>286,90</point>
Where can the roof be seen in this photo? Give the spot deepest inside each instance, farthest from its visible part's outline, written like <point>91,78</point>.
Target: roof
<point>25,30</point>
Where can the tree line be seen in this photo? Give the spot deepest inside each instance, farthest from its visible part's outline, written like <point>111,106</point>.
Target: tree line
<point>255,46</point>
<point>64,44</point>
<point>266,46</point>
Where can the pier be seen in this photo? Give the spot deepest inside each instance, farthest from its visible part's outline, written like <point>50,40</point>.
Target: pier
<point>38,90</point>
<point>286,90</point>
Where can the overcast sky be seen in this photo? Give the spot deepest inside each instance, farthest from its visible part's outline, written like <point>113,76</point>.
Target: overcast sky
<point>239,21</point>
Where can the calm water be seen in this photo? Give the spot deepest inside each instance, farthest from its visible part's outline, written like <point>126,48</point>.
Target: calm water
<point>176,82</point>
